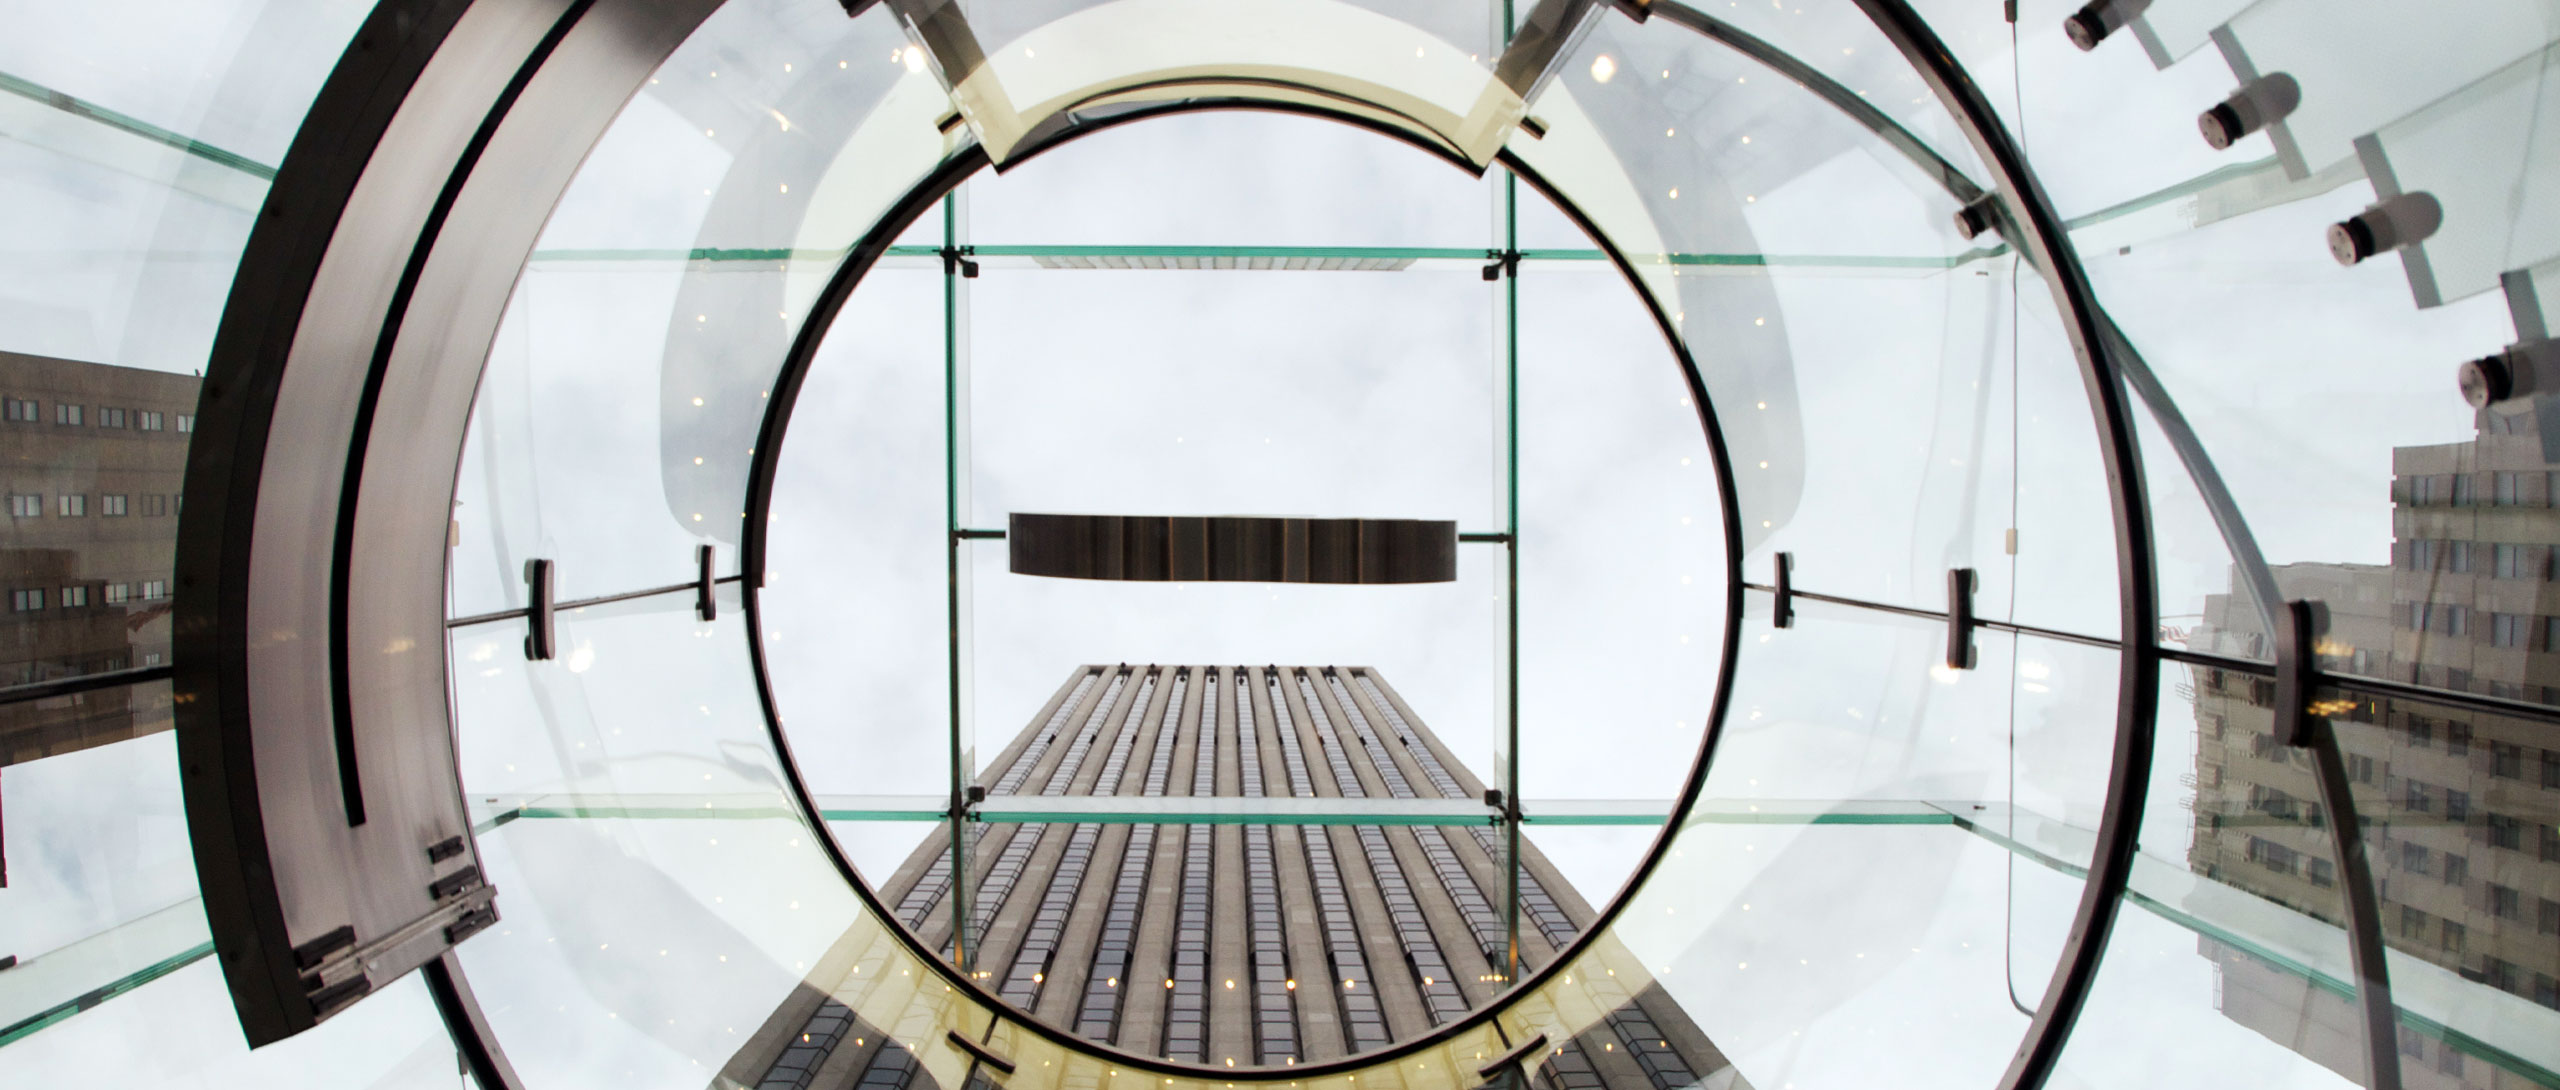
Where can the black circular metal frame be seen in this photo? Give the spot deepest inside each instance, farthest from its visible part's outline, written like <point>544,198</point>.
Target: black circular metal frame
<point>354,125</point>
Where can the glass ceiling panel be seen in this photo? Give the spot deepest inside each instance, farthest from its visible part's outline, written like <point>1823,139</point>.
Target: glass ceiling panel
<point>624,400</point>
<point>394,1040</point>
<point>1228,178</point>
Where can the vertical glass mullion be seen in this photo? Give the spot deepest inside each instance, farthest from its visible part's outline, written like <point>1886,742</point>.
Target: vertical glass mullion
<point>955,414</point>
<point>1507,459</point>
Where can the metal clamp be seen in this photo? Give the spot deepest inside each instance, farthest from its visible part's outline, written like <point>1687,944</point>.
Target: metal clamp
<point>2392,223</point>
<point>1961,583</point>
<point>2257,104</point>
<point>2298,625</point>
<point>541,634</point>
<point>979,1052</point>
<point>1505,263</point>
<point>1513,1059</point>
<point>2091,24</point>
<point>2525,369</point>
<point>706,596</point>
<point>1983,214</point>
<point>1782,608</point>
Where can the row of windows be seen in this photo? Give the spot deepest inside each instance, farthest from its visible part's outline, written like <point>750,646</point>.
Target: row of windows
<point>1275,1008</point>
<point>28,673</point>
<point>918,904</point>
<point>78,596</point>
<point>1535,903</point>
<point>72,505</point>
<point>1482,921</point>
<point>2507,760</point>
<point>1031,961</point>
<point>1421,949</point>
<point>1365,1025</point>
<point>2449,936</point>
<point>1100,1017</point>
<point>2283,860</point>
<point>19,410</point>
<point>1186,1030</point>
<point>2501,488</point>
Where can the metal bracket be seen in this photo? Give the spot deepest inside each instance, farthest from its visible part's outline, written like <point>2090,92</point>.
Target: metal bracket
<point>541,635</point>
<point>1505,263</point>
<point>2298,625</point>
<point>1961,583</point>
<point>706,592</point>
<point>957,258</point>
<point>979,1052</point>
<point>1982,214</point>
<point>1782,606</point>
<point>1513,1059</point>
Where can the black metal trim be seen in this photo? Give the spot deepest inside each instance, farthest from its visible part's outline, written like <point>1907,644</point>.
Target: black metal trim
<point>2296,672</point>
<point>706,584</point>
<point>980,1052</point>
<point>2041,236</point>
<point>85,683</point>
<point>1961,583</point>
<point>472,1034</point>
<point>1513,1058</point>
<point>542,633</point>
<point>1782,609</point>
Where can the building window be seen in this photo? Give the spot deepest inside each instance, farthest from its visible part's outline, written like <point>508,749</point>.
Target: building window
<point>111,506</point>
<point>2508,629</point>
<point>2461,556</point>
<point>111,418</point>
<point>2550,844</point>
<point>2448,1062</point>
<point>154,589</point>
<point>2462,489</point>
<point>26,601</point>
<point>2507,561</point>
<point>2424,554</point>
<point>26,505</point>
<point>2413,923</point>
<point>2457,805</point>
<point>2322,873</point>
<point>2359,768</point>
<point>2506,759</point>
<point>151,658</point>
<point>2457,739</point>
<point>155,504</point>
<point>148,420</point>
<point>2422,732</point>
<point>2549,924</point>
<point>2457,869</point>
<point>22,410</point>
<point>75,597</point>
<point>75,505</point>
<point>2506,832</point>
<point>2454,933</point>
<point>2456,678</point>
<point>2551,768</point>
<point>2504,903</point>
<point>187,423</point>
<point>2413,797</point>
<point>64,413</point>
<point>119,593</point>
<point>2509,491</point>
<point>2413,857</point>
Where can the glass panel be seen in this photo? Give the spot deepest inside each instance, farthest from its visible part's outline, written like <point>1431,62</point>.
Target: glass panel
<point>135,161</point>
<point>2462,824</point>
<point>96,839</point>
<point>1857,862</point>
<point>626,389</point>
<point>1787,240</point>
<point>394,1040</point>
<point>1230,179</point>
<point>2342,98</point>
<point>2488,160</point>
<point>2227,961</point>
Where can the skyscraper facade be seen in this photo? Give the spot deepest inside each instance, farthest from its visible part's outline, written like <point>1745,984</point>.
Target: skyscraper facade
<point>1238,944</point>
<point>2461,807</point>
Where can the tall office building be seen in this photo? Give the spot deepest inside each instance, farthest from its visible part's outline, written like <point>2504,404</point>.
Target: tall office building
<point>1236,944</point>
<point>2460,805</point>
<point>91,458</point>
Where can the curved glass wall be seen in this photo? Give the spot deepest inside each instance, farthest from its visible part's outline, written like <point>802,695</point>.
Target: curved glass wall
<point>1883,822</point>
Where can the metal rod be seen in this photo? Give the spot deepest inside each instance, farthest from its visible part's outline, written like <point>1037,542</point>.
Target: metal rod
<point>85,683</point>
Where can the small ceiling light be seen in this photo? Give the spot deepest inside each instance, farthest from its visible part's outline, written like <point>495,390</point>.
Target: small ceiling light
<point>1603,68</point>
<point>913,58</point>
